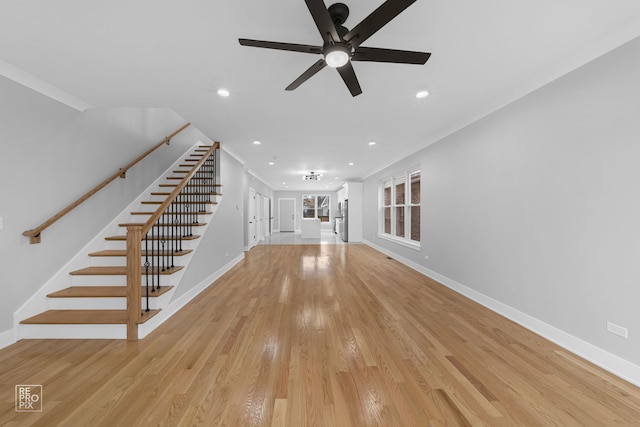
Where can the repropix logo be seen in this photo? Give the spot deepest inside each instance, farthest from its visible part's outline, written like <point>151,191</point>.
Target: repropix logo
<point>29,398</point>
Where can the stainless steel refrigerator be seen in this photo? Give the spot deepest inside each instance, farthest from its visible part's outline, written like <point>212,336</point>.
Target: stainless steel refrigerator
<point>344,224</point>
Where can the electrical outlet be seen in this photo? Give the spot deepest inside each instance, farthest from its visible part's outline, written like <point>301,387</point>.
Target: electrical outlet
<point>617,330</point>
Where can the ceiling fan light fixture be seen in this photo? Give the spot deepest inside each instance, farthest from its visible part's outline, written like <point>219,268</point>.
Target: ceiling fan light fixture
<point>337,55</point>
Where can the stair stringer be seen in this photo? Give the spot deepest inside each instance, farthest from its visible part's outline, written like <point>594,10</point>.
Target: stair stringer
<point>39,302</point>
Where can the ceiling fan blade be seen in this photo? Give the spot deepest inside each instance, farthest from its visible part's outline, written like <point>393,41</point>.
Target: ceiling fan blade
<point>376,20</point>
<point>348,74</point>
<point>319,65</point>
<point>294,47</point>
<point>376,54</point>
<point>323,20</point>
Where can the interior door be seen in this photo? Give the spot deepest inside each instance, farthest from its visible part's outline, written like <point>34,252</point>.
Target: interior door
<point>266,231</point>
<point>259,211</point>
<point>287,214</point>
<point>252,218</point>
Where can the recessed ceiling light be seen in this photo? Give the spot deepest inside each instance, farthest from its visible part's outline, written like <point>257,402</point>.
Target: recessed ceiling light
<point>372,143</point>
<point>223,92</point>
<point>422,94</point>
<point>256,143</point>
<point>350,163</point>
<point>271,163</point>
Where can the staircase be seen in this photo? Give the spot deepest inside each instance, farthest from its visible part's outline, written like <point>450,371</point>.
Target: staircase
<point>96,300</point>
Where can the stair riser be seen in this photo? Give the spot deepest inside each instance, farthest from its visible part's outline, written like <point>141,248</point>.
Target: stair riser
<point>103,303</point>
<point>98,281</point>
<point>165,280</point>
<point>121,244</point>
<point>73,331</point>
<point>118,261</point>
<point>163,197</point>
<point>158,198</point>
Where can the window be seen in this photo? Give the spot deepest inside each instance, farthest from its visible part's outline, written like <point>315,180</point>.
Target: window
<point>308,206</point>
<point>386,208</point>
<point>314,206</point>
<point>400,208</point>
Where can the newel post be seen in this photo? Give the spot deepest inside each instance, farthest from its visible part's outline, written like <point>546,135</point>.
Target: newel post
<point>134,277</point>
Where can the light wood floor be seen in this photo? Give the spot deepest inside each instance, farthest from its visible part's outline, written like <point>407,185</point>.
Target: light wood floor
<point>333,335</point>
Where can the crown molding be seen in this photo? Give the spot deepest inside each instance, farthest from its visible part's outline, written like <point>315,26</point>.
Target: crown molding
<point>19,76</point>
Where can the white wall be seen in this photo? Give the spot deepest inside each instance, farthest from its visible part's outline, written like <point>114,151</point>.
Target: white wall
<point>537,207</point>
<point>224,238</point>
<point>51,155</point>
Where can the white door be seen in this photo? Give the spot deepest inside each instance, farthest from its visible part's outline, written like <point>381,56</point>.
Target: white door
<point>252,218</point>
<point>287,215</point>
<point>260,222</point>
<point>266,214</point>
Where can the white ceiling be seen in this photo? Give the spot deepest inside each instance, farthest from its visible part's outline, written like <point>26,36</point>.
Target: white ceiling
<point>161,53</point>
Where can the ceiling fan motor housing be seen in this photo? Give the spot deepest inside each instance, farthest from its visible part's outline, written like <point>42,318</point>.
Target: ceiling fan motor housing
<point>339,13</point>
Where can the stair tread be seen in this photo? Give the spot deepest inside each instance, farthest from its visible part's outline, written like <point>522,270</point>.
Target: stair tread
<point>159,202</point>
<point>193,224</point>
<point>191,185</point>
<point>123,252</point>
<point>117,271</point>
<point>176,177</point>
<point>162,224</point>
<point>102,292</point>
<point>173,213</point>
<point>124,238</point>
<point>84,317</point>
<point>166,193</point>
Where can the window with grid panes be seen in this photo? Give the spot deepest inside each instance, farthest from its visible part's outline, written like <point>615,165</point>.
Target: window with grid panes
<point>400,208</point>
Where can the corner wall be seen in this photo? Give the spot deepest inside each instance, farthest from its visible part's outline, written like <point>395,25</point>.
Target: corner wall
<point>222,243</point>
<point>536,208</point>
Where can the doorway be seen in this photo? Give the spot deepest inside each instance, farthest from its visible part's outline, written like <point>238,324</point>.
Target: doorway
<point>252,218</point>
<point>287,214</point>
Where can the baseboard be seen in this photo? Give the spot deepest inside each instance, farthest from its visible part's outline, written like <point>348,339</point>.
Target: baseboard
<point>7,338</point>
<point>610,362</point>
<point>149,326</point>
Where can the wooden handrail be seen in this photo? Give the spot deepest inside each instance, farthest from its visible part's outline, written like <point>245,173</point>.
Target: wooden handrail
<point>35,234</point>
<point>163,207</point>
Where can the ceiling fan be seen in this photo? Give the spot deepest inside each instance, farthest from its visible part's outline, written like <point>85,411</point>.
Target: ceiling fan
<point>341,45</point>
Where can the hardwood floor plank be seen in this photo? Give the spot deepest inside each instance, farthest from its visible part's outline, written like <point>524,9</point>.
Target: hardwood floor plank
<point>328,335</point>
